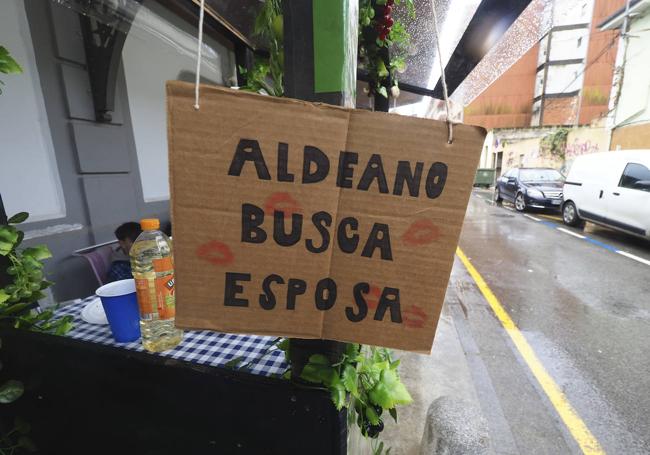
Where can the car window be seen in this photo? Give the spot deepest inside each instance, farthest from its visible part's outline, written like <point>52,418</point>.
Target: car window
<point>510,173</point>
<point>539,175</point>
<point>635,176</point>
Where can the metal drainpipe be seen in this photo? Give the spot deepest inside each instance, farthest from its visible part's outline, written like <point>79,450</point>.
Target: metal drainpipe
<point>618,75</point>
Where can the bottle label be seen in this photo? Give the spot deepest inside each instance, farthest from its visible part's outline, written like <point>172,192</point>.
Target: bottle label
<point>144,296</point>
<point>165,290</point>
<point>165,296</point>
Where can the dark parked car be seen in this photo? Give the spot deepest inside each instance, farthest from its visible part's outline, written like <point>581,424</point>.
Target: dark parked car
<point>526,187</point>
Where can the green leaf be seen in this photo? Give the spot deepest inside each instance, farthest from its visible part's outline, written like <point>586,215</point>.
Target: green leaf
<point>7,63</point>
<point>16,308</point>
<point>319,359</point>
<point>31,264</point>
<point>349,377</point>
<point>372,415</point>
<point>10,391</point>
<point>389,391</point>
<point>352,350</point>
<point>4,296</point>
<point>338,394</point>
<point>18,218</point>
<point>382,71</point>
<point>38,295</point>
<point>8,238</point>
<point>382,91</point>
<point>233,363</point>
<point>38,252</point>
<point>393,413</point>
<point>64,327</point>
<point>46,284</point>
<point>319,374</point>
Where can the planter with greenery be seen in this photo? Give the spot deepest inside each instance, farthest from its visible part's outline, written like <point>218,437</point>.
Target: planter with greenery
<point>22,283</point>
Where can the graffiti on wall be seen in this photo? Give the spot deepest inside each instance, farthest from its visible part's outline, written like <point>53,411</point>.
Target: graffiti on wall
<point>579,147</point>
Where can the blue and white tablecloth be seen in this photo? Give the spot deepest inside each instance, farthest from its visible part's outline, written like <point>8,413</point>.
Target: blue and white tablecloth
<point>256,354</point>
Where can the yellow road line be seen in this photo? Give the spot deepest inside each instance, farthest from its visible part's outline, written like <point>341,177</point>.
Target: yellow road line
<point>585,439</point>
<point>551,217</point>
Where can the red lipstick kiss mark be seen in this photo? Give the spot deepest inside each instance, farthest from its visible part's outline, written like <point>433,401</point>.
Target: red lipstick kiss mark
<point>281,202</point>
<point>421,232</point>
<point>215,252</point>
<point>372,298</point>
<point>414,317</point>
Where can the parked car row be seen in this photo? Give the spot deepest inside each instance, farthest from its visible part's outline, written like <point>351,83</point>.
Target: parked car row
<point>610,188</point>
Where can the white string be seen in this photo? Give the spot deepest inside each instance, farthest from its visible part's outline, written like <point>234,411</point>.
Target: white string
<point>445,94</point>
<point>198,57</point>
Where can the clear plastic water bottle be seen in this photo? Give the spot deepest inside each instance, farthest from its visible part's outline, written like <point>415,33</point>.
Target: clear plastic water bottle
<point>153,269</point>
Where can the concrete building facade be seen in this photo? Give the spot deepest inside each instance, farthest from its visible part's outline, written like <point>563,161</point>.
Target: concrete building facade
<point>564,80</point>
<point>630,107</point>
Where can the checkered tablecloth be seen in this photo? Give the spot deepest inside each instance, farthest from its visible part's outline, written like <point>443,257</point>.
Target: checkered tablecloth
<point>257,353</point>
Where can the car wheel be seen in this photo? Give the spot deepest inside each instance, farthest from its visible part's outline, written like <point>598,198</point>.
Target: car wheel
<point>520,202</point>
<point>497,196</point>
<point>570,214</point>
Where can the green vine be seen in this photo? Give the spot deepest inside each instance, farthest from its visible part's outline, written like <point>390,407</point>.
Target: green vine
<point>383,44</point>
<point>17,299</point>
<point>555,143</point>
<point>365,380</point>
<point>266,76</point>
<point>27,284</point>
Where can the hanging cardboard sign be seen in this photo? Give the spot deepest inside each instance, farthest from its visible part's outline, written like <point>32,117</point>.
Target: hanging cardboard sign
<point>313,221</point>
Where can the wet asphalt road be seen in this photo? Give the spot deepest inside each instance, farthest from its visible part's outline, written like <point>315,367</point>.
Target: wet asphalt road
<point>585,311</point>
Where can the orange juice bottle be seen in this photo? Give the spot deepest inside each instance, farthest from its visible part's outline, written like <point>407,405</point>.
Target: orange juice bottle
<point>153,269</point>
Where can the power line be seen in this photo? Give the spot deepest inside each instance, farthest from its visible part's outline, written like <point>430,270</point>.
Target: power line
<point>587,66</point>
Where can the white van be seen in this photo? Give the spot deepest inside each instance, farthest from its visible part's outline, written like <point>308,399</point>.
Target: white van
<point>610,188</point>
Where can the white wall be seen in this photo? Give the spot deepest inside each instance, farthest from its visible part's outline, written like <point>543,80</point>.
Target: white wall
<point>634,101</point>
<point>158,48</point>
<point>567,12</point>
<point>564,78</point>
<point>569,44</point>
<point>29,177</point>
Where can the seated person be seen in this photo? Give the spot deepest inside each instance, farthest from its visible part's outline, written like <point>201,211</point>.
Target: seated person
<point>120,261</point>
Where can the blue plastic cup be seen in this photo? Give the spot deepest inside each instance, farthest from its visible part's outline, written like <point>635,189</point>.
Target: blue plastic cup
<point>121,307</point>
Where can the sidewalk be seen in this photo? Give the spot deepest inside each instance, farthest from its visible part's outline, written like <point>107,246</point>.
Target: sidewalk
<point>444,372</point>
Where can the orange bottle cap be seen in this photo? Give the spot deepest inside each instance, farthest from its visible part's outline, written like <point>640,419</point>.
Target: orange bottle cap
<point>149,224</point>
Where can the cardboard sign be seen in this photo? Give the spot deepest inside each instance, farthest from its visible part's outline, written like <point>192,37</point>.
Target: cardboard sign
<point>313,221</point>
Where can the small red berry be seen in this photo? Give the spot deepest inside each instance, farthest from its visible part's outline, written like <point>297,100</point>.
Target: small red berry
<point>390,2</point>
<point>388,21</point>
<point>388,10</point>
<point>382,35</point>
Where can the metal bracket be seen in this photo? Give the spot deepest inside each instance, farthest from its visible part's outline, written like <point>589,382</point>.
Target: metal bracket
<point>105,26</point>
